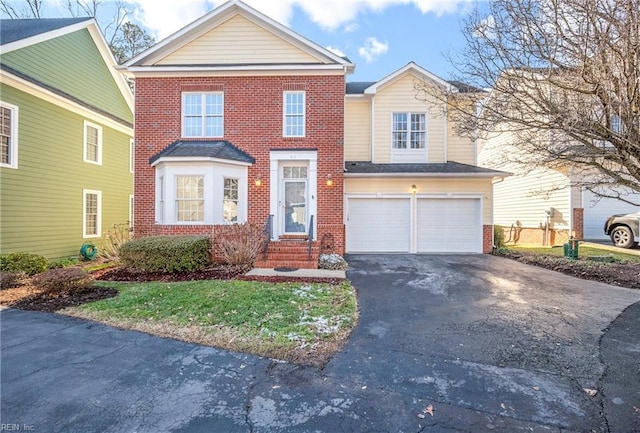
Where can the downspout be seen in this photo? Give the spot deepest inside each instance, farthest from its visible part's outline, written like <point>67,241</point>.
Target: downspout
<point>446,133</point>
<point>373,134</point>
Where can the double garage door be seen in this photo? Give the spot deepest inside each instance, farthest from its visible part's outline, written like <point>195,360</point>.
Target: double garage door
<point>414,225</point>
<point>596,212</point>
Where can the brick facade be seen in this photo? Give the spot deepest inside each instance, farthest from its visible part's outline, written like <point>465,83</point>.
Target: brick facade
<point>487,238</point>
<point>253,118</point>
<point>578,223</point>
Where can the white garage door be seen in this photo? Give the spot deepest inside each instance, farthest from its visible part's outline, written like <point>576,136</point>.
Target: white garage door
<point>596,213</point>
<point>378,225</point>
<point>449,225</point>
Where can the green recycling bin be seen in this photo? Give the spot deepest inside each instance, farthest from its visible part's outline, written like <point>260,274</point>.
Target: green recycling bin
<point>571,249</point>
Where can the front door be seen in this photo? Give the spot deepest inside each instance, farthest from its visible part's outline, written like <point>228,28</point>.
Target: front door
<point>294,199</point>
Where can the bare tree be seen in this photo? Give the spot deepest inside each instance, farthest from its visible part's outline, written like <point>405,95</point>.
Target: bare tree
<point>563,80</point>
<point>30,9</point>
<point>125,39</point>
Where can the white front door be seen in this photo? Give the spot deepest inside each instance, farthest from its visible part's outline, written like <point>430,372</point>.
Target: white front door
<point>294,206</point>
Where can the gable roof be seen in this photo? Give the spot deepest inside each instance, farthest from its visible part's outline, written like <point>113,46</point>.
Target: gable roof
<point>17,30</point>
<point>16,35</point>
<point>196,149</point>
<point>148,59</point>
<point>444,169</point>
<point>414,68</point>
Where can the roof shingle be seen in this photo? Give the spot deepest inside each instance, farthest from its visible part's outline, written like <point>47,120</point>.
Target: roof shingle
<point>221,149</point>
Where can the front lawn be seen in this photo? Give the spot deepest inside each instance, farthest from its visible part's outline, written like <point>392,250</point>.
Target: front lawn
<point>299,322</point>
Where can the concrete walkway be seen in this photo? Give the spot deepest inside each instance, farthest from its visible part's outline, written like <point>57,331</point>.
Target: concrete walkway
<point>487,343</point>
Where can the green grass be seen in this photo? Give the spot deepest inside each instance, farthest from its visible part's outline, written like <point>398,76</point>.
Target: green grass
<point>583,252</point>
<point>257,317</point>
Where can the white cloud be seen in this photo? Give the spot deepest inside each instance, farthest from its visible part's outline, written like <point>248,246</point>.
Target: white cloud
<point>351,27</point>
<point>164,17</point>
<point>336,51</point>
<point>372,49</point>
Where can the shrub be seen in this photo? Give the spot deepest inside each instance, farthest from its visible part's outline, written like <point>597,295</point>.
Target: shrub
<point>238,244</point>
<point>498,236</point>
<point>332,261</point>
<point>166,253</point>
<point>29,263</point>
<point>64,263</point>
<point>119,235</point>
<point>63,280</point>
<point>9,280</point>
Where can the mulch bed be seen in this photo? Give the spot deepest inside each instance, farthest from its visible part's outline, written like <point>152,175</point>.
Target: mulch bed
<point>47,303</point>
<point>32,299</point>
<point>616,274</point>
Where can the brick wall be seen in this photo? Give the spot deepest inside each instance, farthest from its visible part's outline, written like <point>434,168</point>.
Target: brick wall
<point>578,223</point>
<point>253,122</point>
<point>487,238</point>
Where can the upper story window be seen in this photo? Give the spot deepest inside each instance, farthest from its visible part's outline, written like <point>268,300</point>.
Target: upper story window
<point>203,114</point>
<point>230,201</point>
<point>294,114</point>
<point>409,131</point>
<point>190,198</point>
<point>92,147</point>
<point>8,135</point>
<point>132,155</point>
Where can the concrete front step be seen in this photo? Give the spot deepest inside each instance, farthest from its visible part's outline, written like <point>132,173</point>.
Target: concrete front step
<point>293,264</point>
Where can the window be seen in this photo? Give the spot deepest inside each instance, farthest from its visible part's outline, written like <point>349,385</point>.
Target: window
<point>92,143</point>
<point>132,153</point>
<point>190,198</point>
<point>230,202</point>
<point>294,114</point>
<point>92,213</point>
<point>130,210</point>
<point>8,135</point>
<point>409,131</point>
<point>202,114</point>
<point>616,124</point>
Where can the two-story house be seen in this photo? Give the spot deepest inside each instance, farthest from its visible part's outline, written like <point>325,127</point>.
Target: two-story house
<point>411,183</point>
<point>66,137</point>
<point>238,118</point>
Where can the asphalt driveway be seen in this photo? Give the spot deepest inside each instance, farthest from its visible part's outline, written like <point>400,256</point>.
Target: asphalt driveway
<point>488,343</point>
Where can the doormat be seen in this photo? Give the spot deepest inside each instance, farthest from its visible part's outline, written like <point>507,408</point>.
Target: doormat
<point>285,269</point>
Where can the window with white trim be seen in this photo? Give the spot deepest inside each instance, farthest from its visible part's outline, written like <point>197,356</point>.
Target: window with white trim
<point>132,154</point>
<point>190,198</point>
<point>230,201</point>
<point>8,135</point>
<point>130,210</point>
<point>92,213</point>
<point>294,114</point>
<point>409,131</point>
<point>203,114</point>
<point>92,143</point>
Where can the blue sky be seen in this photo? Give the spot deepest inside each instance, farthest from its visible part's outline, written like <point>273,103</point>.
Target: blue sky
<point>379,36</point>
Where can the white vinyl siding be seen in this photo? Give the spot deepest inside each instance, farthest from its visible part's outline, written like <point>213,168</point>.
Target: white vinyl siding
<point>92,143</point>
<point>92,213</point>
<point>294,114</point>
<point>202,114</point>
<point>357,130</point>
<point>8,135</point>
<point>238,41</point>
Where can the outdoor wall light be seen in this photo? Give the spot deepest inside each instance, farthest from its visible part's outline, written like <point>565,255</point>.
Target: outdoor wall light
<point>258,181</point>
<point>329,180</point>
<point>414,188</point>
